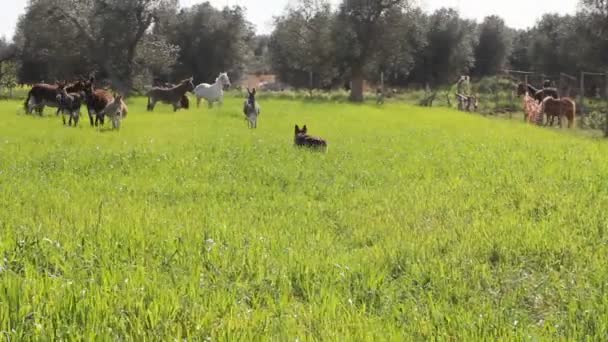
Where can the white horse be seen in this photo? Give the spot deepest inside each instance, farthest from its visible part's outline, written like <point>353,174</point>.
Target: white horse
<point>212,92</point>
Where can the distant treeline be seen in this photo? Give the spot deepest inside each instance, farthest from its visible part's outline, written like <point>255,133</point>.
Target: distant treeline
<point>130,42</point>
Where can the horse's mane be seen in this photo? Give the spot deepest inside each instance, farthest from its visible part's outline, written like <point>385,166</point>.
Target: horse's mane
<point>531,88</point>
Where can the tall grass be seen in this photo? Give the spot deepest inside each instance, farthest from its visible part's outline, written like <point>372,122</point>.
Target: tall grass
<point>418,224</point>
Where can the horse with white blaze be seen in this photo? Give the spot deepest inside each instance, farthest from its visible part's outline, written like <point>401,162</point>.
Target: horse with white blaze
<point>212,92</point>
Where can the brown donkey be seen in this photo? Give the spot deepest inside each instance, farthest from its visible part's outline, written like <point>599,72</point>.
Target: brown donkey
<point>302,139</point>
<point>97,101</point>
<point>172,95</point>
<point>42,95</point>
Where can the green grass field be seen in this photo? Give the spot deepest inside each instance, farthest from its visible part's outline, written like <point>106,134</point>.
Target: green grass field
<point>417,224</point>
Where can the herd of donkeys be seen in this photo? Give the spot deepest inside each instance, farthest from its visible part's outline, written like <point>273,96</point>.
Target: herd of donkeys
<point>102,103</point>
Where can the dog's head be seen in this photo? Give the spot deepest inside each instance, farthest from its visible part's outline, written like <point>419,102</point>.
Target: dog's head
<point>302,131</point>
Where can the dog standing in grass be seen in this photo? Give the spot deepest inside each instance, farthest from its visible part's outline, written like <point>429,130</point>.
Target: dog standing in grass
<point>302,139</point>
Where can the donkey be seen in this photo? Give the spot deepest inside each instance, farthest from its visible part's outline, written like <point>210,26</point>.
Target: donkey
<point>251,109</point>
<point>116,111</point>
<point>69,104</point>
<point>43,94</point>
<point>302,139</point>
<point>379,96</point>
<point>173,95</point>
<point>467,102</point>
<point>184,103</point>
<point>97,101</point>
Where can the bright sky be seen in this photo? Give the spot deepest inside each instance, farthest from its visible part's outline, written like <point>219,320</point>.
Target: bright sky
<point>517,13</point>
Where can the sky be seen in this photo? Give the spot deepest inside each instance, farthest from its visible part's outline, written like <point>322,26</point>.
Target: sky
<point>517,13</point>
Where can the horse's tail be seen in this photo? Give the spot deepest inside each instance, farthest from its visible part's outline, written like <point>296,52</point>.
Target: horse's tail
<point>149,101</point>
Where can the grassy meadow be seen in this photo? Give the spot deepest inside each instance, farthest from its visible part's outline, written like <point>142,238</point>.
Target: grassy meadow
<point>418,224</point>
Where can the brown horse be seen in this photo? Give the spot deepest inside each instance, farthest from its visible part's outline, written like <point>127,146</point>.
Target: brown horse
<point>558,108</point>
<point>173,95</point>
<point>43,94</point>
<point>538,94</point>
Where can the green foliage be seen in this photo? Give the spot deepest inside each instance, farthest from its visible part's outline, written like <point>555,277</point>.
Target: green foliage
<point>8,75</point>
<point>66,39</point>
<point>302,43</point>
<point>449,51</point>
<point>418,224</point>
<point>360,31</point>
<point>493,48</point>
<point>210,41</point>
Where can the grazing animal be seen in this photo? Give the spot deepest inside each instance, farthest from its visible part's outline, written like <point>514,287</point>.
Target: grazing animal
<point>97,101</point>
<point>184,103</point>
<point>559,108</point>
<point>532,110</point>
<point>251,109</point>
<point>173,95</point>
<point>212,92</point>
<point>116,111</point>
<point>379,96</point>
<point>302,139</point>
<point>538,95</point>
<point>69,104</point>
<point>43,94</point>
<point>465,102</point>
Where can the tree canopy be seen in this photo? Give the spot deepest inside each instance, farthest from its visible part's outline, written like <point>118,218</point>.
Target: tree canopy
<point>313,44</point>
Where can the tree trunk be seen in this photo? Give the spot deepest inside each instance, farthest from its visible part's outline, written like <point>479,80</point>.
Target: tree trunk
<point>356,89</point>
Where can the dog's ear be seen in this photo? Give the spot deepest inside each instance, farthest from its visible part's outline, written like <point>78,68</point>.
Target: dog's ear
<point>304,129</point>
<point>297,129</point>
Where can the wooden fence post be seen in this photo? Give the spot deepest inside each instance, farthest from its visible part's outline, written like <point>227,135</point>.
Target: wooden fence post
<point>582,97</point>
<point>606,86</point>
<point>606,99</point>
